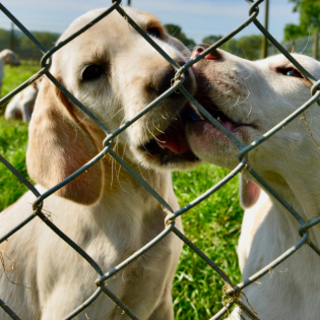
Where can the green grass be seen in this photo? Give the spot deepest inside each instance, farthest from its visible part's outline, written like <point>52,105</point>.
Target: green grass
<point>14,76</point>
<point>13,146</point>
<point>213,225</point>
<point>13,137</point>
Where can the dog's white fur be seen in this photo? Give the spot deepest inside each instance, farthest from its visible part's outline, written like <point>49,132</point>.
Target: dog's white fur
<point>105,210</point>
<point>7,56</point>
<point>257,204</point>
<point>21,106</point>
<point>261,94</point>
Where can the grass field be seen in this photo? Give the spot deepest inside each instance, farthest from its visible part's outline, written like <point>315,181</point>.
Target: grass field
<point>14,76</point>
<point>213,225</point>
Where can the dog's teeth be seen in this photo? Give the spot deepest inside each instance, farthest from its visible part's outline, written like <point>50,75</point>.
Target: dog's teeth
<point>218,119</point>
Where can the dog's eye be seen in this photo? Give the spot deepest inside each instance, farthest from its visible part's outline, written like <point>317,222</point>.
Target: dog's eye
<point>92,72</point>
<point>154,32</point>
<point>291,72</point>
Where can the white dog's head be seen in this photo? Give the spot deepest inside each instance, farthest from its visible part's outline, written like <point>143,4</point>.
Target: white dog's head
<point>115,73</point>
<point>249,98</point>
<point>10,57</point>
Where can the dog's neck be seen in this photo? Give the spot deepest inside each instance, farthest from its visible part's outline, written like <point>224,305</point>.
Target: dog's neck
<point>302,193</point>
<point>116,177</point>
<point>124,206</point>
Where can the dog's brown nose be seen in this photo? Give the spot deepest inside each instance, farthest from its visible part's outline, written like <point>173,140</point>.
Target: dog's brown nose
<point>214,55</point>
<point>163,81</point>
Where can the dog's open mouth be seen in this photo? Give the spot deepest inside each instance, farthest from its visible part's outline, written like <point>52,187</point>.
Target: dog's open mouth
<point>229,123</point>
<point>172,145</point>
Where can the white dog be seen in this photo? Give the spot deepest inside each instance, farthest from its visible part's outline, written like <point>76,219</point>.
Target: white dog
<point>249,98</point>
<point>21,106</point>
<point>113,71</point>
<point>7,56</point>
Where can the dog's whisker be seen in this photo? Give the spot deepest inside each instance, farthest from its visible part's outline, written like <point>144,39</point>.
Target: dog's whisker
<point>237,101</point>
<point>157,129</point>
<point>250,110</point>
<point>152,134</point>
<point>309,32</point>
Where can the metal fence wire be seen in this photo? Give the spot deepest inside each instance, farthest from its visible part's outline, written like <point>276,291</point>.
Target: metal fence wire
<point>233,291</point>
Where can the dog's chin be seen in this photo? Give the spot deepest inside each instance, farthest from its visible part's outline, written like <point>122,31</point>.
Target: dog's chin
<point>210,144</point>
<point>171,149</point>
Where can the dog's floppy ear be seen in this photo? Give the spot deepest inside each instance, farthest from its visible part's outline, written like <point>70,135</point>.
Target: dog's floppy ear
<point>249,192</point>
<point>59,144</point>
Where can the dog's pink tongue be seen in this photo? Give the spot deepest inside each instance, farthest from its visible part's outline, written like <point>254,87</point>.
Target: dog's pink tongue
<point>228,125</point>
<point>173,142</point>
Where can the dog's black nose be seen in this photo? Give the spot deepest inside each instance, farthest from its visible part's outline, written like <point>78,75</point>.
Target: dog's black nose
<point>163,81</point>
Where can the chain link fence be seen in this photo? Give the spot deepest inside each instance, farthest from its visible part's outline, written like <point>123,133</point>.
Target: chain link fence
<point>303,45</point>
<point>233,290</point>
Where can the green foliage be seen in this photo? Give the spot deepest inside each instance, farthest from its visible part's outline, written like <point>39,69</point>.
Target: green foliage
<point>309,19</point>
<point>4,39</point>
<point>231,46</point>
<point>309,11</point>
<point>211,39</point>
<point>292,31</point>
<point>176,31</point>
<point>248,47</point>
<point>24,47</point>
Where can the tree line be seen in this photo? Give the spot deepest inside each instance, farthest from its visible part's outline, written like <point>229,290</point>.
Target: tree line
<point>248,47</point>
<point>309,23</point>
<point>23,46</point>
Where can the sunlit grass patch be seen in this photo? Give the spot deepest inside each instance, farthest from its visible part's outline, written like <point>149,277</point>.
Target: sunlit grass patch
<point>214,227</point>
<point>13,146</point>
<point>13,77</point>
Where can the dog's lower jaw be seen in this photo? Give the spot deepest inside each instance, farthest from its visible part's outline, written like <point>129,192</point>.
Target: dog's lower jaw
<point>211,145</point>
<point>170,148</point>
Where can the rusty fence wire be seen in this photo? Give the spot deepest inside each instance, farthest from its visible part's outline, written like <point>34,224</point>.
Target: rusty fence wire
<point>233,290</point>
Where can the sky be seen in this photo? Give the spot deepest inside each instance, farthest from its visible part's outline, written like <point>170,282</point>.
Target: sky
<point>198,18</point>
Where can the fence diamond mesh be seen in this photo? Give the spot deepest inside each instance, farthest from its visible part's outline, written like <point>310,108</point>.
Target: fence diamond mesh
<point>233,290</point>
